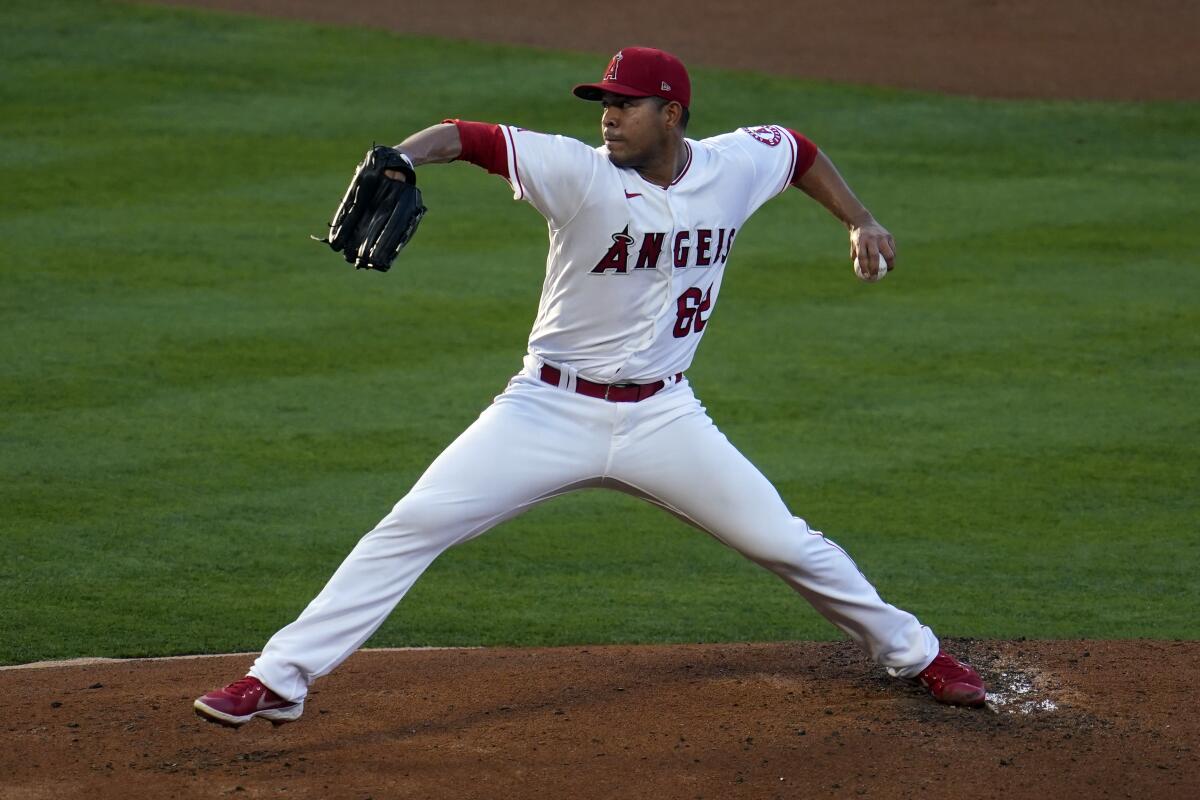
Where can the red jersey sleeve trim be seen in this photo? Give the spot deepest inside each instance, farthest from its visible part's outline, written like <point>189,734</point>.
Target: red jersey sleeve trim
<point>791,173</point>
<point>514,177</point>
<point>805,156</point>
<point>484,145</point>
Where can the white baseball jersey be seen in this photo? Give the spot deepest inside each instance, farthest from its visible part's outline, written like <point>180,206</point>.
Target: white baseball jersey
<point>634,269</point>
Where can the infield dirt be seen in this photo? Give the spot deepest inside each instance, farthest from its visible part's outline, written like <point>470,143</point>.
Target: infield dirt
<point>1083,718</point>
<point>1080,718</point>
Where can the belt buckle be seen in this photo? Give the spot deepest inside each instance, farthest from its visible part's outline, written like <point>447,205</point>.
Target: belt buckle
<point>608,387</point>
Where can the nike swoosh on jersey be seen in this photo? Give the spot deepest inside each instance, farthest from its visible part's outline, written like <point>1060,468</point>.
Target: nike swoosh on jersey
<point>633,194</point>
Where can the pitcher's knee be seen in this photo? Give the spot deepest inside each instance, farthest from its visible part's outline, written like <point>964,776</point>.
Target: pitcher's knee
<point>788,548</point>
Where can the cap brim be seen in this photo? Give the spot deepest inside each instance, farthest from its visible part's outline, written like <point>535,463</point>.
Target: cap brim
<point>594,91</point>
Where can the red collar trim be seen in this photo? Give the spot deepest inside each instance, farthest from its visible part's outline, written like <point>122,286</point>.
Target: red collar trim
<point>686,166</point>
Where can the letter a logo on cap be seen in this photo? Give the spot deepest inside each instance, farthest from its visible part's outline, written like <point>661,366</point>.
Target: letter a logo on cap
<point>641,72</point>
<point>613,66</point>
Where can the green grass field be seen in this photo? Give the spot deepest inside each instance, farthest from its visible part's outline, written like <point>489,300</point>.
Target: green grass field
<point>202,410</point>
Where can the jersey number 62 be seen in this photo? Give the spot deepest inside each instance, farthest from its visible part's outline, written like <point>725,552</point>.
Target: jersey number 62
<point>689,308</point>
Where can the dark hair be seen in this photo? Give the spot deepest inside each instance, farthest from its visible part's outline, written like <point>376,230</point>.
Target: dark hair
<point>683,120</point>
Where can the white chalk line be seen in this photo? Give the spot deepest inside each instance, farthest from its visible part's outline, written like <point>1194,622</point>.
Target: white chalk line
<point>86,662</point>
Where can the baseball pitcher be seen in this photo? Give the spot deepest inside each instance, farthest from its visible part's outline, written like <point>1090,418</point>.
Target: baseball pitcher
<point>640,230</point>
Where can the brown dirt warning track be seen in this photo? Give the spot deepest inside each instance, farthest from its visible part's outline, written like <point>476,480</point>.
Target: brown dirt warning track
<point>1079,719</point>
<point>1093,49</point>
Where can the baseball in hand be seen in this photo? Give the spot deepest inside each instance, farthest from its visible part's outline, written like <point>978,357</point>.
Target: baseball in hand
<point>861,273</point>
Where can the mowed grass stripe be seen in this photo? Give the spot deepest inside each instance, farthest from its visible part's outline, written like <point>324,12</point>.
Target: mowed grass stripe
<point>203,410</point>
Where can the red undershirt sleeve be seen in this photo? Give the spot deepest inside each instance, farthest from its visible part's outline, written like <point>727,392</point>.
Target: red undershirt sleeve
<point>806,154</point>
<point>483,145</point>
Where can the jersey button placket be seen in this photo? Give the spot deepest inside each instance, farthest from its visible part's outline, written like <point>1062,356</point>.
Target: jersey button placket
<point>657,215</point>
<point>677,208</point>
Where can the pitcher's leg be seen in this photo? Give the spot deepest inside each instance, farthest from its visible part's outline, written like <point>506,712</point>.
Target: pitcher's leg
<point>522,450</point>
<point>688,466</point>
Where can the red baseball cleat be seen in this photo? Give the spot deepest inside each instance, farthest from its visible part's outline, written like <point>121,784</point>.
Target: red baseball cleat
<point>953,682</point>
<point>242,701</point>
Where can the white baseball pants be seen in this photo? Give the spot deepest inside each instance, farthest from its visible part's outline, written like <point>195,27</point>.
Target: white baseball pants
<point>538,441</point>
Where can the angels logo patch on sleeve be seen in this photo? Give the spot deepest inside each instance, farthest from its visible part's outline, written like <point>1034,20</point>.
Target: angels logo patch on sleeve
<point>770,135</point>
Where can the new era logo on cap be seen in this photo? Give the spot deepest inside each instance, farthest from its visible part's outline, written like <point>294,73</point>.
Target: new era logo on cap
<point>642,72</point>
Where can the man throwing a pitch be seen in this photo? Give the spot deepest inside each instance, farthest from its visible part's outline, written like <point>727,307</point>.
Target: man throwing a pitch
<point>641,229</point>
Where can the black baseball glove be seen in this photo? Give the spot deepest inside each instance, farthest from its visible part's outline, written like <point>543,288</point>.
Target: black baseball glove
<point>379,215</point>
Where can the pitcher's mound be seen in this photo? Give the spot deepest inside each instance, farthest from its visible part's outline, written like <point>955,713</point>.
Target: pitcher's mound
<point>1080,719</point>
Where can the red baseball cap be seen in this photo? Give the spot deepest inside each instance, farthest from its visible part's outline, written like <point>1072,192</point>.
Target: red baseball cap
<point>642,72</point>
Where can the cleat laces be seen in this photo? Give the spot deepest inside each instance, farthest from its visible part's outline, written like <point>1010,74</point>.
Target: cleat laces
<point>241,687</point>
